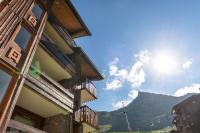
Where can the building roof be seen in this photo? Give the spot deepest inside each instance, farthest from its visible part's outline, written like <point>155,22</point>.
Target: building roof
<point>88,69</point>
<point>68,16</point>
<point>183,104</point>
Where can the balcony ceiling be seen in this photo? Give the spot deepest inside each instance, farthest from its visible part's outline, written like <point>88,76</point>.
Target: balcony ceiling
<point>57,39</point>
<point>88,69</point>
<point>67,15</point>
<point>50,66</point>
<point>33,102</point>
<point>87,96</point>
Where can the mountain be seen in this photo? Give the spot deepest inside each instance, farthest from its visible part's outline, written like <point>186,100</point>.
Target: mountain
<point>146,113</point>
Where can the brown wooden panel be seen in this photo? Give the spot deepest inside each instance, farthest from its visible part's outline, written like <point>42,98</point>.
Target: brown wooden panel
<point>87,115</point>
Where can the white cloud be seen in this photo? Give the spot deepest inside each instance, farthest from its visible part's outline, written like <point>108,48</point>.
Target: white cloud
<point>136,75</point>
<point>117,76</point>
<point>143,56</point>
<point>132,95</point>
<point>114,84</point>
<point>113,67</point>
<point>194,88</point>
<point>119,104</point>
<point>187,64</point>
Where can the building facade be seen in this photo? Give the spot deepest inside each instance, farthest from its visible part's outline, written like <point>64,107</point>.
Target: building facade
<point>187,115</point>
<point>45,78</point>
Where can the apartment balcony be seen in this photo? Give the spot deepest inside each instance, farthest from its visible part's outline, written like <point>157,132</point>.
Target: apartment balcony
<point>88,91</point>
<point>51,89</point>
<point>62,59</point>
<point>88,118</point>
<point>63,32</point>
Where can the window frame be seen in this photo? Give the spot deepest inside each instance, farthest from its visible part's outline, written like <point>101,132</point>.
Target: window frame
<point>12,40</point>
<point>10,88</point>
<point>31,13</point>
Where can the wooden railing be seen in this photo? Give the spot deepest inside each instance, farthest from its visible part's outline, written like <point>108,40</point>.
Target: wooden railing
<point>15,126</point>
<point>87,115</point>
<point>51,87</point>
<point>87,84</point>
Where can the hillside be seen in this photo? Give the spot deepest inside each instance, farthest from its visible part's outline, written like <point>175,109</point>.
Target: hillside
<point>146,113</point>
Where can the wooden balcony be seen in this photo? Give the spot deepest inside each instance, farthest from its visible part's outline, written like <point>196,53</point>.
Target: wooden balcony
<point>87,116</point>
<point>51,89</point>
<point>88,91</point>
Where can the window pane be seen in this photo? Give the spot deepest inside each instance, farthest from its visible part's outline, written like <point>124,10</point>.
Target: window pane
<point>37,11</point>
<point>4,83</point>
<point>22,38</point>
<point>24,120</point>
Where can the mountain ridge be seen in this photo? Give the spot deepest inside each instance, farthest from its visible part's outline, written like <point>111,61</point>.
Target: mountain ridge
<point>147,112</point>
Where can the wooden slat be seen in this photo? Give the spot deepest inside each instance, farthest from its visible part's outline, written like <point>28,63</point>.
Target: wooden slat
<point>87,115</point>
<point>50,93</point>
<point>22,127</point>
<point>11,15</point>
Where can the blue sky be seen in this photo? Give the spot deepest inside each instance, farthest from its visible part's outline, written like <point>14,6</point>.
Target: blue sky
<point>146,45</point>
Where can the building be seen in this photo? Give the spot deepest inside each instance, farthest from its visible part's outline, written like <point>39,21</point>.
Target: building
<point>45,78</point>
<point>187,115</point>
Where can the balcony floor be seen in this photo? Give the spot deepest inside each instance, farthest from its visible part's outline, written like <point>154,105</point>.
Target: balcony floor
<point>86,95</point>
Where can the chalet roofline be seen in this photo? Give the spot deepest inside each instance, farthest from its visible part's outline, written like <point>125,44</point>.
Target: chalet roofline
<point>78,17</point>
<point>67,15</point>
<point>79,51</point>
<point>191,98</point>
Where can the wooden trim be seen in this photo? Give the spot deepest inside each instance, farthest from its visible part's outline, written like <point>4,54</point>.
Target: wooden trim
<point>87,115</point>
<point>23,127</point>
<point>6,98</point>
<point>11,104</point>
<point>34,47</point>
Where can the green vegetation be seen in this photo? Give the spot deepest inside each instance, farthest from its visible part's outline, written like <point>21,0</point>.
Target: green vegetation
<point>165,130</point>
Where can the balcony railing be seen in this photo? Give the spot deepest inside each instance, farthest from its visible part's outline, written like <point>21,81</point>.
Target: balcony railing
<point>17,127</point>
<point>87,84</point>
<point>63,59</point>
<point>52,87</point>
<point>62,31</point>
<point>87,115</point>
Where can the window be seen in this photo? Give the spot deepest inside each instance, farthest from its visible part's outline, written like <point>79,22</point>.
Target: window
<point>5,79</point>
<point>37,11</point>
<point>24,120</point>
<point>23,37</point>
<point>28,118</point>
<point>13,130</point>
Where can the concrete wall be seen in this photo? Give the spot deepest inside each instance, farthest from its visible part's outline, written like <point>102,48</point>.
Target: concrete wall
<point>59,124</point>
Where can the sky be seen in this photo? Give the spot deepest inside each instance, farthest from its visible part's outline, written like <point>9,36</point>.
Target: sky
<point>142,45</point>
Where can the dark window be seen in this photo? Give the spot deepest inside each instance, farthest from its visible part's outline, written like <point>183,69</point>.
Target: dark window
<point>23,38</point>
<point>12,130</point>
<point>37,11</point>
<point>5,79</point>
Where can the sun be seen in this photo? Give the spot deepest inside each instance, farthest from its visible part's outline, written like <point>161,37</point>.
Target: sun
<point>165,63</point>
